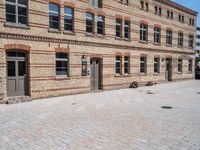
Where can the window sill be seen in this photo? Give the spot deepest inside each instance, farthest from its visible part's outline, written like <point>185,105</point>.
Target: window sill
<point>54,30</point>
<point>69,33</point>
<point>158,44</point>
<point>60,78</point>
<point>126,75</point>
<point>100,35</point>
<point>127,39</point>
<point>191,48</point>
<point>118,38</point>
<point>14,25</point>
<point>156,73</point>
<point>118,75</point>
<point>143,42</point>
<point>190,72</point>
<point>143,74</point>
<point>180,47</point>
<point>180,73</point>
<point>168,45</point>
<point>90,34</point>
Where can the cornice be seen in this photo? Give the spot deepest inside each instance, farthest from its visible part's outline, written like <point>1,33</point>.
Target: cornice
<point>85,43</point>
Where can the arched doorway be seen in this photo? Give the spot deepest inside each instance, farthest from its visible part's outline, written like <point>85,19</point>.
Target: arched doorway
<point>95,73</point>
<point>17,83</point>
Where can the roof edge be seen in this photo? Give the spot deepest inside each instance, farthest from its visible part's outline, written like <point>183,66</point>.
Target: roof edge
<point>178,6</point>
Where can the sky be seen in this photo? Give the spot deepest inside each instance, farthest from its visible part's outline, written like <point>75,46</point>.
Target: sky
<point>192,4</point>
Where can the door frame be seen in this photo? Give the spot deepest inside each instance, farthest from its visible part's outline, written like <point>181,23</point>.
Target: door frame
<point>26,59</point>
<point>100,71</point>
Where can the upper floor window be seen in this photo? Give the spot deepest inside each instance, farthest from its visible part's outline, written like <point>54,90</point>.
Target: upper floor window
<point>143,32</point>
<point>181,18</point>
<point>127,29</point>
<point>191,22</point>
<point>96,3</point>
<point>126,2</point>
<point>118,65</point>
<point>62,64</point>
<point>54,14</point>
<point>180,39</point>
<point>144,5</point>
<point>17,11</point>
<point>126,64</point>
<point>119,28</point>
<point>198,36</point>
<point>157,35</point>
<point>170,14</point>
<point>100,25</point>
<point>191,41</point>
<point>89,23</point>
<point>69,19</point>
<point>169,37</point>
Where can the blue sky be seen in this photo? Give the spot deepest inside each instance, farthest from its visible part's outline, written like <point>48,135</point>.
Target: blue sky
<point>193,4</point>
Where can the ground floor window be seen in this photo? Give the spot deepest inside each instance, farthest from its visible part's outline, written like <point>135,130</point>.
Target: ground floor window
<point>190,65</point>
<point>126,64</point>
<point>156,65</point>
<point>143,64</point>
<point>118,65</point>
<point>62,64</point>
<point>180,63</point>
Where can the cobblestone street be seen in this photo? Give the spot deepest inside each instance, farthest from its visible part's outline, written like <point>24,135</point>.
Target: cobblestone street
<point>127,119</point>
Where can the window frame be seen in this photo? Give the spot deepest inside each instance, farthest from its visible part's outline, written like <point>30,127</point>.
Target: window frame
<point>157,35</point>
<point>190,65</point>
<point>72,18</point>
<point>17,5</point>
<point>62,60</point>
<point>118,62</point>
<point>180,39</point>
<point>156,64</point>
<point>91,18</point>
<point>103,22</point>
<point>127,25</point>
<point>127,61</point>
<point>118,24</point>
<point>143,69</point>
<point>191,41</point>
<point>143,32</point>
<point>58,15</point>
<point>180,65</point>
<point>169,37</point>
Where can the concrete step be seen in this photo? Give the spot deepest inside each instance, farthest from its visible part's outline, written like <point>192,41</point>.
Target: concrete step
<point>17,99</point>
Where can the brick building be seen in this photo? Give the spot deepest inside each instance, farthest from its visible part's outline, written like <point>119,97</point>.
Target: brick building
<point>58,47</point>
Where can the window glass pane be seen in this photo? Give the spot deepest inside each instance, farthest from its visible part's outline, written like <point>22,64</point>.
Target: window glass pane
<point>11,68</point>
<point>10,13</point>
<point>23,2</point>
<point>61,67</point>
<point>21,68</point>
<point>61,55</point>
<point>68,11</point>
<point>53,7</point>
<point>22,11</point>
<point>12,54</point>
<point>13,1</point>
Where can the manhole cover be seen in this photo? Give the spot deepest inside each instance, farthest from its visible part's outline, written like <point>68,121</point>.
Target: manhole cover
<point>149,92</point>
<point>166,107</point>
<point>73,103</point>
<point>198,92</point>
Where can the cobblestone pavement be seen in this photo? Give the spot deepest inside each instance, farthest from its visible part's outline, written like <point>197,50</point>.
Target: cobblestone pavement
<point>127,119</point>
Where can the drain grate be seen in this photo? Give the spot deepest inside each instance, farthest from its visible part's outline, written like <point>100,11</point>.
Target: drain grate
<point>166,107</point>
<point>73,103</point>
<point>149,92</point>
<point>198,92</point>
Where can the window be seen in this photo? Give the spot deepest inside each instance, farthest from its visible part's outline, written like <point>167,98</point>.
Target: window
<point>198,36</point>
<point>62,64</point>
<point>68,19</point>
<point>190,62</point>
<point>126,2</point>
<point>119,28</point>
<point>169,37</point>
<point>54,21</point>
<point>89,23</point>
<point>143,32</point>
<point>96,3</point>
<point>142,4</point>
<point>179,18</point>
<point>156,65</point>
<point>118,65</point>
<point>170,14</point>
<point>160,11</point>
<point>100,25</point>
<point>198,43</point>
<point>127,29</point>
<point>180,39</point>
<point>180,61</point>
<point>182,19</point>
<point>143,64</point>
<point>126,64</point>
<point>191,41</point>
<point>147,6</point>
<point>157,34</point>
<point>17,11</point>
<point>156,10</point>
